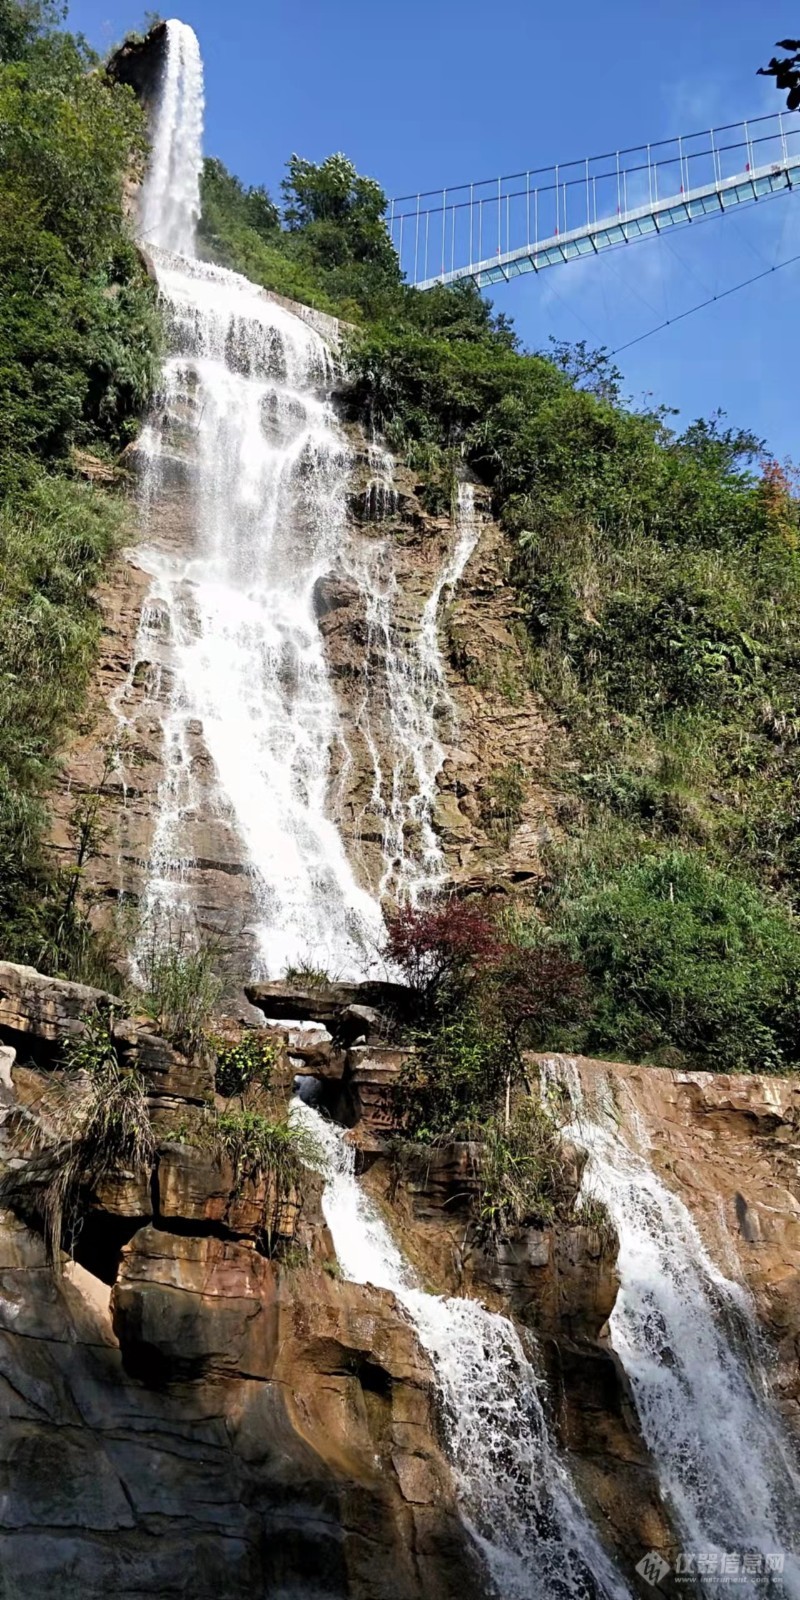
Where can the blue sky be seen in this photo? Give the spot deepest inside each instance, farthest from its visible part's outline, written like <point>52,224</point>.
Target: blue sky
<point>436,92</point>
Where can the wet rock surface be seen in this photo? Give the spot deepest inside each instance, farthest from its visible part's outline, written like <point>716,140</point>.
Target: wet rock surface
<point>495,724</point>
<point>189,1411</point>
<point>729,1145</point>
<point>208,1420</point>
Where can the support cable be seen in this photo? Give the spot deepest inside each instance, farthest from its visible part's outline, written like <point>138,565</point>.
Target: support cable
<point>734,289</point>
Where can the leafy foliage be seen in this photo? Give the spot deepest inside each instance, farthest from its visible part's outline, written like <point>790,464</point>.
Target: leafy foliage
<point>78,355</point>
<point>181,988</point>
<point>483,997</point>
<point>439,946</point>
<point>684,956</point>
<point>520,1170</point>
<point>329,248</point>
<point>263,1153</point>
<point>243,1063</point>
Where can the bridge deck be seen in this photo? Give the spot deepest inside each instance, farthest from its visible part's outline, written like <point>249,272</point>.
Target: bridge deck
<point>499,229</point>
<point>641,223</point>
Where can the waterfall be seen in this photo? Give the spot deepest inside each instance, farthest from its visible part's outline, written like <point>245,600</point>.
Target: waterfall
<point>514,1490</point>
<point>688,1340</point>
<point>244,484</point>
<point>266,475</point>
<point>417,703</point>
<point>170,204</point>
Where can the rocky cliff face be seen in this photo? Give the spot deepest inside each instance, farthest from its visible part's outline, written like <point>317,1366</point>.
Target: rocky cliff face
<point>729,1145</point>
<point>495,736</point>
<point>183,1414</point>
<point>181,1386</point>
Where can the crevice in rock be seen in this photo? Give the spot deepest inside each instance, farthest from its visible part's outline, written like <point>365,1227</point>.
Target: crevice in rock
<point>99,1241</point>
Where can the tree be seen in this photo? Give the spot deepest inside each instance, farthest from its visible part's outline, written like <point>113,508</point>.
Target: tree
<point>786,72</point>
<point>341,213</point>
<point>23,22</point>
<point>439,947</point>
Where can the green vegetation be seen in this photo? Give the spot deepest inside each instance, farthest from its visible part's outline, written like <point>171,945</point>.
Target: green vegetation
<point>305,975</point>
<point>78,356</point>
<point>181,988</point>
<point>482,999</point>
<point>685,958</point>
<point>520,1170</point>
<point>658,575</point>
<point>243,1063</point>
<point>329,249</point>
<point>91,1122</point>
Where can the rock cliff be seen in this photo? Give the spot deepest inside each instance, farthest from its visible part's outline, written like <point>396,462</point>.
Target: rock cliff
<point>496,739</point>
<point>186,1415</point>
<point>185,1384</point>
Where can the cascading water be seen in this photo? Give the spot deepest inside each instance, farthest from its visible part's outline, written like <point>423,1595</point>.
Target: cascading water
<point>229,633</point>
<point>515,1493</point>
<point>417,704</point>
<point>687,1338</point>
<point>170,205</point>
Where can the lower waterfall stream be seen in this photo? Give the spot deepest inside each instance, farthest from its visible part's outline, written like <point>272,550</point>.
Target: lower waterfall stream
<point>688,1340</point>
<point>516,1495</point>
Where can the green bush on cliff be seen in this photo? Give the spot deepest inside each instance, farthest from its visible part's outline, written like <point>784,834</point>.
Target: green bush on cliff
<point>683,956</point>
<point>329,248</point>
<point>78,359</point>
<point>78,325</point>
<point>267,1154</point>
<point>91,1122</point>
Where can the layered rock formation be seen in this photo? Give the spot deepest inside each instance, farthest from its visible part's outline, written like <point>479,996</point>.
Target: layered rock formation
<point>184,1414</point>
<point>729,1145</point>
<point>197,1405</point>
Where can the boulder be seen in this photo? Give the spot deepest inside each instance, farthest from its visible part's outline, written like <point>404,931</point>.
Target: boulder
<point>193,1187</point>
<point>346,1009</point>
<point>372,1072</point>
<point>186,1307</point>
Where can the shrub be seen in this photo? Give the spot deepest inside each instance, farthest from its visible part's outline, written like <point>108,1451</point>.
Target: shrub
<point>456,1074</point>
<point>262,1151</point>
<point>91,1122</point>
<point>439,946</point>
<point>541,993</point>
<point>181,988</point>
<point>243,1063</point>
<point>520,1170</point>
<point>680,954</point>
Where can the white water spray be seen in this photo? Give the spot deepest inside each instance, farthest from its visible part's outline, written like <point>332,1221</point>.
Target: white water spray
<point>417,707</point>
<point>266,472</point>
<point>515,1493</point>
<point>688,1340</point>
<point>170,204</point>
<point>246,431</point>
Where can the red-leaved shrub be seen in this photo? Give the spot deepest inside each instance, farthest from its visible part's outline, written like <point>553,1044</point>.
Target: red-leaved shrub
<point>442,944</point>
<point>536,991</point>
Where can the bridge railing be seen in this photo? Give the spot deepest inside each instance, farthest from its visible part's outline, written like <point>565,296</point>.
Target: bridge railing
<point>460,232</point>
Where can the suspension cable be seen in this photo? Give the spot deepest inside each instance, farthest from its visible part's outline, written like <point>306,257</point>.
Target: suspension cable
<point>701,306</point>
